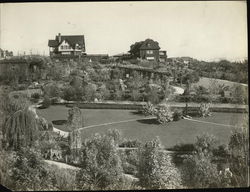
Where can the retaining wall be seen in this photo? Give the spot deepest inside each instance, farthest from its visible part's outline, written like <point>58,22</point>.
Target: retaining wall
<point>138,106</point>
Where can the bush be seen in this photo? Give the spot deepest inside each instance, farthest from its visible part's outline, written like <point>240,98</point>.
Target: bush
<point>198,171</point>
<point>35,96</point>
<point>46,102</point>
<point>131,143</point>
<point>164,114</point>
<point>149,109</point>
<point>183,147</point>
<point>204,110</point>
<point>69,93</point>
<point>155,170</point>
<point>177,115</point>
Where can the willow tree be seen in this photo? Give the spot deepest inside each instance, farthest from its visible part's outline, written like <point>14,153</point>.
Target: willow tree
<point>20,122</point>
<point>20,129</point>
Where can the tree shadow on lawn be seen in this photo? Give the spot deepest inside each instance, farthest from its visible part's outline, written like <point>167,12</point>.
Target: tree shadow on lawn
<point>137,113</point>
<point>149,121</point>
<point>59,122</point>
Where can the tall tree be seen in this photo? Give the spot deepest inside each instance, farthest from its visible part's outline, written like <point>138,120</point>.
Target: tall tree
<point>155,168</point>
<point>101,164</point>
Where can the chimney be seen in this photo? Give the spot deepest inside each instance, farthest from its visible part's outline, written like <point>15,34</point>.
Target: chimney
<point>59,37</point>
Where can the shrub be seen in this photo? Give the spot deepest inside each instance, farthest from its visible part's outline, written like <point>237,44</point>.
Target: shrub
<point>69,93</point>
<point>204,110</point>
<point>101,164</point>
<point>177,115</point>
<point>156,170</point>
<point>164,114</point>
<point>239,151</point>
<point>35,96</point>
<point>46,102</point>
<point>149,109</point>
<point>183,147</point>
<point>131,143</point>
<point>153,95</point>
<point>198,171</point>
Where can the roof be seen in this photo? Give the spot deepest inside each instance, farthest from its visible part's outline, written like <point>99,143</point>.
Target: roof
<point>149,44</point>
<point>71,39</point>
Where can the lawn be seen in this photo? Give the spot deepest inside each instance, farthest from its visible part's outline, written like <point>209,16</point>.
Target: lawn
<point>207,82</point>
<point>183,131</point>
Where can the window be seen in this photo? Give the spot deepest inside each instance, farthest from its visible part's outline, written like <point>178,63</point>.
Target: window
<point>149,51</point>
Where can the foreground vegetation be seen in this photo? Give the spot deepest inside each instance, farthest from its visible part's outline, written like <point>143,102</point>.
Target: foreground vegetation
<point>25,136</point>
<point>103,165</point>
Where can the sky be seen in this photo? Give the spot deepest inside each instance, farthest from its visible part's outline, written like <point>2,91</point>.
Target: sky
<point>202,30</point>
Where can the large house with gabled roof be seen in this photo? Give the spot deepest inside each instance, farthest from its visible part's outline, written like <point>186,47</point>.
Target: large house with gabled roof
<point>67,45</point>
<point>148,50</point>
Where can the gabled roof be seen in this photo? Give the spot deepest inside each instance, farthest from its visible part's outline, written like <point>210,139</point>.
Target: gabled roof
<point>150,44</point>
<point>71,39</point>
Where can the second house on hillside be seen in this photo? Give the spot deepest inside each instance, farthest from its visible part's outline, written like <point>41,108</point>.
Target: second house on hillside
<point>148,50</point>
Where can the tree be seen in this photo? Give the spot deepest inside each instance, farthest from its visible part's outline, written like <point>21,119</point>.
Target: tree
<point>13,102</point>
<point>20,129</point>
<point>155,169</point>
<point>240,94</point>
<point>52,90</point>
<point>28,172</point>
<point>90,91</point>
<point>104,92</point>
<point>75,118</point>
<point>152,94</point>
<point>238,146</point>
<point>46,102</point>
<point>204,110</point>
<point>101,164</point>
<point>149,109</point>
<point>198,170</point>
<point>164,114</point>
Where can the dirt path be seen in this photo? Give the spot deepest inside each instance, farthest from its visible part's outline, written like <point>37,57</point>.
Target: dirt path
<point>116,122</point>
<point>61,165</point>
<point>207,122</point>
<point>66,133</point>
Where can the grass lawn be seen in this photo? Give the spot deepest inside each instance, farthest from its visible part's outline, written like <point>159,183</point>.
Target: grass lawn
<point>183,131</point>
<point>206,82</point>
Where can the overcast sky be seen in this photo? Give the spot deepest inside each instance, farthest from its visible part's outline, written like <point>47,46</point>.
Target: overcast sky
<point>203,30</point>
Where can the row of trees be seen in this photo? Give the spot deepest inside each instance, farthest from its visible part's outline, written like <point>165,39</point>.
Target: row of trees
<point>223,69</point>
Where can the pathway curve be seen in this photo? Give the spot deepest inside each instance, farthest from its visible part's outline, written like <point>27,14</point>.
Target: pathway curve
<point>207,122</point>
<point>65,133</point>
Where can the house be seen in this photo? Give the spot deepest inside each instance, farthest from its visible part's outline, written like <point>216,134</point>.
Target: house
<point>67,45</point>
<point>149,50</point>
